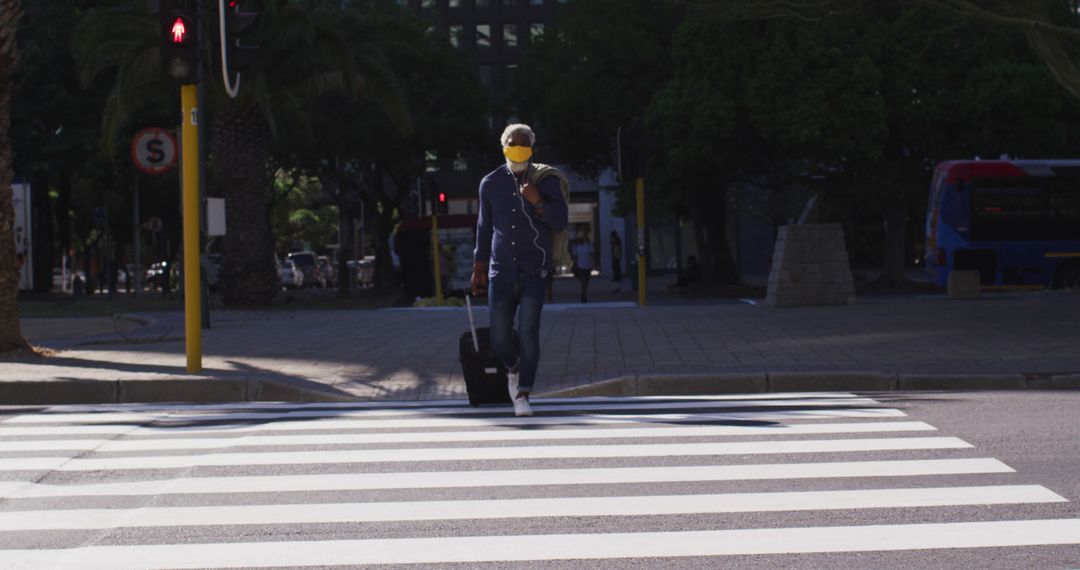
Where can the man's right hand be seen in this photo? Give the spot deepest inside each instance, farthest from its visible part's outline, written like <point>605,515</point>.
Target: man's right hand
<point>479,279</point>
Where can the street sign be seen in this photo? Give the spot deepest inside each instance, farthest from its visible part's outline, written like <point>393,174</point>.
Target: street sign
<point>154,151</point>
<point>154,225</point>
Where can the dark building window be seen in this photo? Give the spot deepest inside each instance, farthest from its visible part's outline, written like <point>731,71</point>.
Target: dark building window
<point>483,35</point>
<point>510,35</point>
<point>457,32</point>
<point>536,30</point>
<point>483,72</point>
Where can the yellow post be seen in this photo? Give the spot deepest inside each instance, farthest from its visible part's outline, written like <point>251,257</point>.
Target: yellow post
<point>189,160</point>
<point>436,255</point>
<point>641,241</point>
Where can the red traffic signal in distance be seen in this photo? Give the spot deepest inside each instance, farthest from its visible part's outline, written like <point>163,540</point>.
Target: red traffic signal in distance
<point>442,197</point>
<point>442,204</point>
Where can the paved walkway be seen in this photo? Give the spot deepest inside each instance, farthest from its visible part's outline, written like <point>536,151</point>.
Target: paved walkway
<point>412,353</point>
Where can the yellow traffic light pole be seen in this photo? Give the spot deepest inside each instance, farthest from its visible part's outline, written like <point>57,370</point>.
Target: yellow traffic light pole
<point>189,159</point>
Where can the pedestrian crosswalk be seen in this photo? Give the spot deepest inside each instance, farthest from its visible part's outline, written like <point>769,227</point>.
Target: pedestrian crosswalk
<point>585,480</point>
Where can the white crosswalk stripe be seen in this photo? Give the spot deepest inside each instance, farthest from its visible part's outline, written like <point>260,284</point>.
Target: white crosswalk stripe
<point>361,483</point>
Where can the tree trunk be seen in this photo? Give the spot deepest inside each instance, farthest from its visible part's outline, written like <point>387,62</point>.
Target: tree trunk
<point>896,219</point>
<point>249,276</point>
<point>11,337</point>
<point>345,239</point>
<point>710,227</point>
<point>43,238</point>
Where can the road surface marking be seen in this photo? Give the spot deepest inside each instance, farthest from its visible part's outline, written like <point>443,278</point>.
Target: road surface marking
<point>175,444</point>
<point>97,519</point>
<point>558,547</point>
<point>429,423</point>
<point>479,454</point>
<point>526,477</point>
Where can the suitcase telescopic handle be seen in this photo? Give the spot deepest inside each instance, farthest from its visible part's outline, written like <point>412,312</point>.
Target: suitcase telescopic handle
<point>472,325</point>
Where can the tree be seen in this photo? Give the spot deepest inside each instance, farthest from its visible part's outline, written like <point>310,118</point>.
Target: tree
<point>370,153</point>
<point>11,338</point>
<point>1048,26</point>
<point>863,100</point>
<point>594,73</point>
<point>302,49</point>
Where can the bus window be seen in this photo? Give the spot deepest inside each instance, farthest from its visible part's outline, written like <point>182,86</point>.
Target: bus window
<point>1025,209</point>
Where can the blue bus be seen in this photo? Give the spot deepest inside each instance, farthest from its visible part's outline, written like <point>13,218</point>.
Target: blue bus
<point>1015,221</point>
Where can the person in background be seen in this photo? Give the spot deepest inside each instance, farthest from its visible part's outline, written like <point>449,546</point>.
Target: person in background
<point>616,260</point>
<point>583,265</point>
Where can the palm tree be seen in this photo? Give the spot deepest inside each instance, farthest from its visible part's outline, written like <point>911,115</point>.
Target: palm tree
<point>11,338</point>
<point>304,51</point>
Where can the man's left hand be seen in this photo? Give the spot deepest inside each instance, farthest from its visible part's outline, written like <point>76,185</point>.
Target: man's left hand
<point>530,193</point>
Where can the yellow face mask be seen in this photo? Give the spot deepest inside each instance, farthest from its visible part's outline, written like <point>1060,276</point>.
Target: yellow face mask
<point>518,153</point>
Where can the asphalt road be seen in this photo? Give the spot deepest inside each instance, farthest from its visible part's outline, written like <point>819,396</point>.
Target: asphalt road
<point>891,480</point>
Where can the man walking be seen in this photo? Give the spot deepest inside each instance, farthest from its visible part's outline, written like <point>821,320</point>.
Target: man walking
<point>521,205</point>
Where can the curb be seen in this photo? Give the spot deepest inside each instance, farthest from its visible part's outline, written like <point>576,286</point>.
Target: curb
<point>750,383</point>
<point>198,391</point>
<point>219,390</point>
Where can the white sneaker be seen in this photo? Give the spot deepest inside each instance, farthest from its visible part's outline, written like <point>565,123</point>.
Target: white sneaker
<point>512,379</point>
<point>521,406</point>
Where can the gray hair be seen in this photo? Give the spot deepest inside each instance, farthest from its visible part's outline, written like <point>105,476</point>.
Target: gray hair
<point>515,128</point>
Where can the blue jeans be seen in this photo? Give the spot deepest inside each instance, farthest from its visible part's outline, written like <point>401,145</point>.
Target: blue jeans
<point>525,296</point>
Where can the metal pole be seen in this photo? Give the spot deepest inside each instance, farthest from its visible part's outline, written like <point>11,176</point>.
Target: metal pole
<point>189,159</point>
<point>204,288</point>
<point>138,242</point>
<point>436,254</point>
<point>641,240</point>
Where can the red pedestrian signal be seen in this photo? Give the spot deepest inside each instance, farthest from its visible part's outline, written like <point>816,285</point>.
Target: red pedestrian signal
<point>179,44</point>
<point>179,31</point>
<point>442,204</point>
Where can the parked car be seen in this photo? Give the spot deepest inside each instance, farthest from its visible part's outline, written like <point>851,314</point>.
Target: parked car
<point>155,275</point>
<point>59,282</point>
<point>291,275</point>
<point>309,265</point>
<point>364,269</point>
<point>327,268</point>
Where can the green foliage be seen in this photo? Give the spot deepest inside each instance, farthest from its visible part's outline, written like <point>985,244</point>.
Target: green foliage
<point>303,214</point>
<point>596,74</point>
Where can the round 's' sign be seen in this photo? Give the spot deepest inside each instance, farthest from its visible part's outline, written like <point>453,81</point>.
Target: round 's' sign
<point>153,150</point>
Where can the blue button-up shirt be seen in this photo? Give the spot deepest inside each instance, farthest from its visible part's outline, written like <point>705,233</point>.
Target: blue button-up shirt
<point>510,235</point>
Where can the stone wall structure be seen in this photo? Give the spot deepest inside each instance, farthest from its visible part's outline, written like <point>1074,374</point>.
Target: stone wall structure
<point>810,267</point>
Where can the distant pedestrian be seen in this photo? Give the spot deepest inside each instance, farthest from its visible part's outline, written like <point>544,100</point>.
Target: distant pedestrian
<point>583,265</point>
<point>690,275</point>
<point>521,206</point>
<point>616,257</point>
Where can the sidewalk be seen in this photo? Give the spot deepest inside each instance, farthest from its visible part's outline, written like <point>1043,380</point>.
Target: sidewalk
<point>408,354</point>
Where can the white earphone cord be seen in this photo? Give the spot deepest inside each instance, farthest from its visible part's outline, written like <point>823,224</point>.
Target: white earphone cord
<point>536,240</point>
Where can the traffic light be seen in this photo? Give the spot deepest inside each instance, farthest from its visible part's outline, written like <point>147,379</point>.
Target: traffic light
<point>236,22</point>
<point>179,41</point>
<point>442,205</point>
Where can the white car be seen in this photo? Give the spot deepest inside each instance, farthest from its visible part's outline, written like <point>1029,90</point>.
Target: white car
<point>291,276</point>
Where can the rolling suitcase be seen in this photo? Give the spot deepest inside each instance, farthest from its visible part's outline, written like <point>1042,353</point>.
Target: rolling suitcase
<point>485,374</point>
